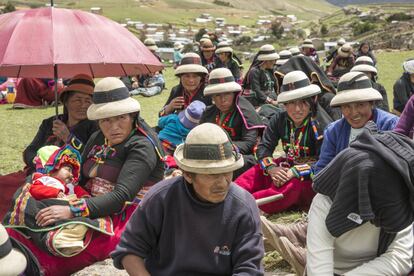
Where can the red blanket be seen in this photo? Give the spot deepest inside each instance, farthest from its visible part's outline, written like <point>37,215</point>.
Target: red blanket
<point>8,186</point>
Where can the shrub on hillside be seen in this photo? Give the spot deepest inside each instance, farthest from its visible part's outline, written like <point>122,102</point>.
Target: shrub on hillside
<point>399,17</point>
<point>324,30</point>
<point>8,8</point>
<point>360,28</point>
<point>277,29</point>
<point>222,3</point>
<point>243,40</point>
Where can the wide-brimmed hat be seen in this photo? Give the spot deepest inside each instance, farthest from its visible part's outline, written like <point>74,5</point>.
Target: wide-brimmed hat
<point>178,45</point>
<point>295,51</point>
<point>364,64</point>
<point>296,86</point>
<point>307,43</point>
<point>340,42</point>
<point>284,56</point>
<point>223,47</point>
<point>207,150</point>
<point>221,80</point>
<point>150,43</point>
<point>190,117</point>
<point>111,98</point>
<point>207,45</point>
<point>80,83</point>
<point>408,66</point>
<point>204,38</point>
<point>267,52</point>
<point>12,261</point>
<point>190,63</point>
<point>355,87</point>
<point>345,50</point>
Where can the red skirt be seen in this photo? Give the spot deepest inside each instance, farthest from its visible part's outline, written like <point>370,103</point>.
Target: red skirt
<point>297,194</point>
<point>99,248</point>
<point>9,184</point>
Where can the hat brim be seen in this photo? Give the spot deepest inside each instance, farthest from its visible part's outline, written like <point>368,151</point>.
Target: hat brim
<point>111,109</point>
<point>281,61</point>
<point>353,96</point>
<point>153,47</point>
<point>344,54</point>
<point>206,166</point>
<point>220,88</point>
<point>74,88</point>
<point>14,263</point>
<point>364,68</point>
<point>224,50</point>
<point>299,94</point>
<point>273,56</point>
<point>190,68</point>
<point>308,46</point>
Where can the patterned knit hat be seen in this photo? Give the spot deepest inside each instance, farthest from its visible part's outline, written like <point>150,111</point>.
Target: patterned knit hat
<point>52,158</point>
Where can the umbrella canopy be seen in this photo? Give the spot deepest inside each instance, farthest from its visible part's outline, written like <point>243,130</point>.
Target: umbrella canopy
<point>60,43</point>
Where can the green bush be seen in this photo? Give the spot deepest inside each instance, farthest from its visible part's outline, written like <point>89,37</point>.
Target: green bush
<point>222,3</point>
<point>9,8</point>
<point>399,17</point>
<point>360,28</point>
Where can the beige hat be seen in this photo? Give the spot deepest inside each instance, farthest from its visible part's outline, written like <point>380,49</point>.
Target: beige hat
<point>355,87</point>
<point>296,86</point>
<point>178,45</point>
<point>408,66</point>
<point>340,42</point>
<point>207,45</point>
<point>267,52</point>
<point>364,64</point>
<point>190,63</point>
<point>307,43</point>
<point>204,38</point>
<point>295,51</point>
<point>80,83</point>
<point>111,98</point>
<point>223,47</point>
<point>221,80</point>
<point>12,261</point>
<point>284,56</point>
<point>207,150</point>
<point>150,43</point>
<point>345,50</point>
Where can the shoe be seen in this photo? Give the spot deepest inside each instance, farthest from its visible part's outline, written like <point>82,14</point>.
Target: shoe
<point>294,255</point>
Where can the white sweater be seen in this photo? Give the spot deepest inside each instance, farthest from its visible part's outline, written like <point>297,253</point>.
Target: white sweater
<point>354,252</point>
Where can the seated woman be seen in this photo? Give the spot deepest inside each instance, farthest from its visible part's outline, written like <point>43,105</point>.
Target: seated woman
<point>365,50</point>
<point>234,114</point>
<point>301,134</point>
<point>406,123</point>
<point>118,161</point>
<point>192,81</point>
<point>365,65</point>
<point>226,59</point>
<point>259,82</point>
<point>359,224</point>
<point>403,87</point>
<point>309,50</point>
<point>343,62</point>
<point>207,55</point>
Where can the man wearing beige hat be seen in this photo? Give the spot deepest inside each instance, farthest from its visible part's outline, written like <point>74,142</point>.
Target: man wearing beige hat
<point>199,223</point>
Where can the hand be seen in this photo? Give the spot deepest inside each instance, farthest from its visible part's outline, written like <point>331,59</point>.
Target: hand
<point>60,130</point>
<point>135,84</point>
<point>176,103</point>
<point>53,214</point>
<point>60,195</point>
<point>280,175</point>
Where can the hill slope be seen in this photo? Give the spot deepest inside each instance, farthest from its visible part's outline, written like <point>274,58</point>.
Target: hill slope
<point>343,3</point>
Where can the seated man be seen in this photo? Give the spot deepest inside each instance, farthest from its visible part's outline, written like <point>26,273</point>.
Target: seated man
<point>361,220</point>
<point>199,223</point>
<point>148,86</point>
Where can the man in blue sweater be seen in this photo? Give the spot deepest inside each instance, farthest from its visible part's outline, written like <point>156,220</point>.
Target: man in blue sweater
<point>197,224</point>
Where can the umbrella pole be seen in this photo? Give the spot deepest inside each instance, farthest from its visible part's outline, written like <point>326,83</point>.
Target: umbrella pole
<point>56,91</point>
<point>51,3</point>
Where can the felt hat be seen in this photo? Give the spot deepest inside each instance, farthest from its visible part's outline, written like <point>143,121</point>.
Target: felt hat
<point>267,52</point>
<point>408,66</point>
<point>12,261</point>
<point>208,150</point>
<point>296,86</point>
<point>345,50</point>
<point>223,47</point>
<point>340,42</point>
<point>111,98</point>
<point>355,87</point>
<point>364,64</point>
<point>190,117</point>
<point>204,38</point>
<point>80,83</point>
<point>307,43</point>
<point>150,43</point>
<point>221,80</point>
<point>207,45</point>
<point>295,51</point>
<point>190,63</point>
<point>284,56</point>
<point>178,45</point>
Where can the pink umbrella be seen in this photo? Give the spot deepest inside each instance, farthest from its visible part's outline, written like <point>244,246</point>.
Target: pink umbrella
<point>60,43</point>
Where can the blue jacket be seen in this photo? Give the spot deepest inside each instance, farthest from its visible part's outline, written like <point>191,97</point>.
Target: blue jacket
<point>172,129</point>
<point>336,136</point>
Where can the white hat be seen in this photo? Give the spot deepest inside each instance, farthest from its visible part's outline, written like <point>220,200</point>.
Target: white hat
<point>12,261</point>
<point>284,56</point>
<point>296,86</point>
<point>295,51</point>
<point>111,98</point>
<point>190,63</point>
<point>307,43</point>
<point>204,38</point>
<point>340,42</point>
<point>355,87</point>
<point>221,80</point>
<point>267,52</point>
<point>150,43</point>
<point>178,45</point>
<point>345,50</point>
<point>207,150</point>
<point>408,66</point>
<point>223,47</point>
<point>364,64</point>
